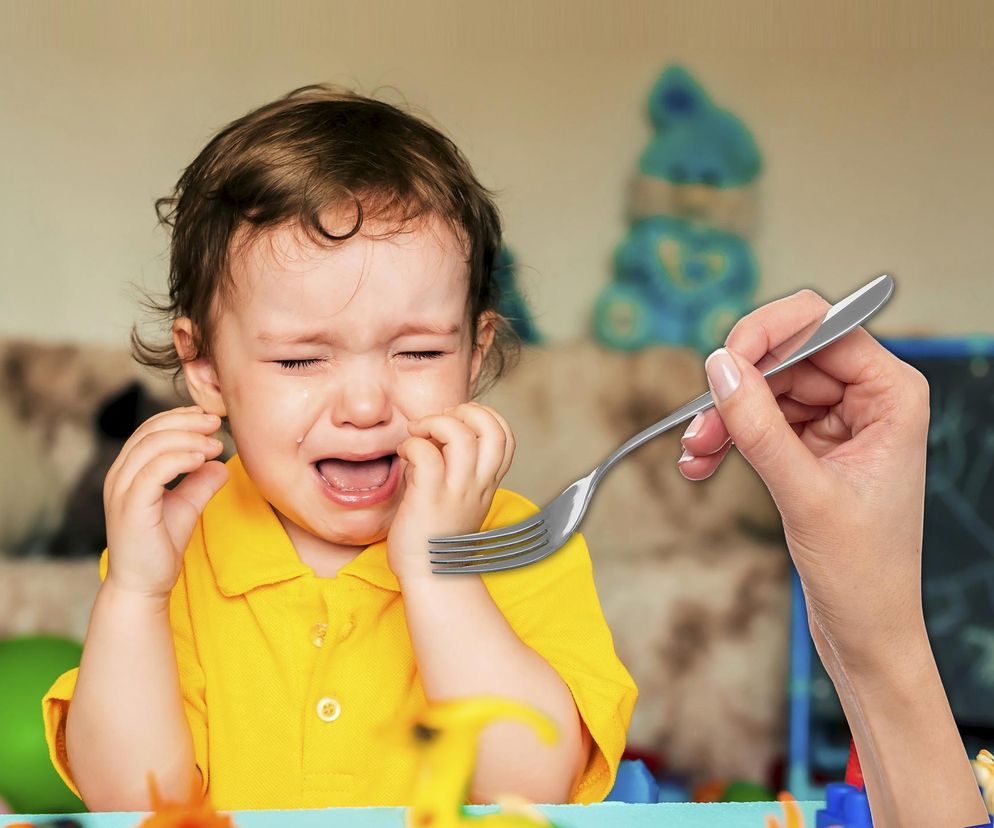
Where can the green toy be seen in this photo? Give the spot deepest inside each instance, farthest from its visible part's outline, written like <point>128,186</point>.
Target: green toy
<point>744,791</point>
<point>28,666</point>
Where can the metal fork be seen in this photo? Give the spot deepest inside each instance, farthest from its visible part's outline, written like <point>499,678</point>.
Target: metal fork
<point>540,535</point>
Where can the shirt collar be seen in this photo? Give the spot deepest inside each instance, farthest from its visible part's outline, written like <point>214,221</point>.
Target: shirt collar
<point>248,547</point>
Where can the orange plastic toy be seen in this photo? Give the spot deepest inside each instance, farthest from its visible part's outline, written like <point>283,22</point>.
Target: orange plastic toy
<point>194,813</point>
<point>792,816</point>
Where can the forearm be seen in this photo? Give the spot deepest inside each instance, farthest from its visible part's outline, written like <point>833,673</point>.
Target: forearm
<point>126,717</point>
<point>465,647</point>
<point>914,765</point>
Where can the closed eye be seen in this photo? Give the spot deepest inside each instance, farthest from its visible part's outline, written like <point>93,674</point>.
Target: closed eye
<point>422,354</point>
<point>299,363</point>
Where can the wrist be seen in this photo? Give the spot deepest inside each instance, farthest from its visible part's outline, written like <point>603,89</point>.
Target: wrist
<point>125,598</point>
<point>429,583</point>
<point>410,562</point>
<point>873,646</point>
<point>891,676</point>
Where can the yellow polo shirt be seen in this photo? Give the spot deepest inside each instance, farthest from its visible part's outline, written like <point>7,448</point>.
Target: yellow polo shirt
<point>290,681</point>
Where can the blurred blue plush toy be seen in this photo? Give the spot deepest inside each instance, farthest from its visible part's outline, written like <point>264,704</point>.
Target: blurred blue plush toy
<point>685,274</point>
<point>512,304</point>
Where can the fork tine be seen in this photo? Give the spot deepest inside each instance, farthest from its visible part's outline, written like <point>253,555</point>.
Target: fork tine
<point>486,547</point>
<point>498,566</point>
<point>498,553</point>
<point>493,534</point>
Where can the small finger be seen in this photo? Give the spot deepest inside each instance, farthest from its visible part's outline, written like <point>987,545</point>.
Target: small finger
<point>458,445</point>
<point>509,443</point>
<point>425,465</point>
<point>491,440</point>
<point>191,419</point>
<point>149,484</point>
<point>161,442</point>
<point>198,487</point>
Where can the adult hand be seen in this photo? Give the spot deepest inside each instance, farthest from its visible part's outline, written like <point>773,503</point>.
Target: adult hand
<point>839,440</point>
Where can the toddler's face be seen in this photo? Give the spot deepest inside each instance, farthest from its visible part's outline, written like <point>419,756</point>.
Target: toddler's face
<point>323,355</point>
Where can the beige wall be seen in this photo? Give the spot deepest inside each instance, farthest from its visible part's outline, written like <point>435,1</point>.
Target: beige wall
<point>877,124</point>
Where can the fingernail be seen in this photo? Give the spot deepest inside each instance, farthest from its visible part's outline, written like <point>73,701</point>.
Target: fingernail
<point>685,457</point>
<point>722,373</point>
<point>694,427</point>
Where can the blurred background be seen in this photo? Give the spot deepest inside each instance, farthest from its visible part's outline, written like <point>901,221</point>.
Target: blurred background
<point>662,169</point>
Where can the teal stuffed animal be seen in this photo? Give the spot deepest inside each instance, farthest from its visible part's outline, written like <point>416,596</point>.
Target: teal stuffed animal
<point>685,273</point>
<point>512,304</point>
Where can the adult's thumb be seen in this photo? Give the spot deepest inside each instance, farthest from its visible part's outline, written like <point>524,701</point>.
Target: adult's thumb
<point>758,428</point>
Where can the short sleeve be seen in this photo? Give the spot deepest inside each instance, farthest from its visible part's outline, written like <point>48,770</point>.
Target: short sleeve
<point>55,708</point>
<point>191,675</point>
<point>553,607</point>
<point>56,701</point>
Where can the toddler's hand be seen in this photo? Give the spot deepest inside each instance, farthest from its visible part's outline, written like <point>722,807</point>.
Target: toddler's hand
<point>149,526</point>
<point>456,461</point>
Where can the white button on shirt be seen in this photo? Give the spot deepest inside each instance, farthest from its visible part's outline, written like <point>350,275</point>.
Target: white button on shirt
<point>328,709</point>
<point>318,632</point>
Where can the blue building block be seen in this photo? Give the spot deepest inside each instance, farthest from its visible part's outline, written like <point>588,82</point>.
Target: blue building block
<point>846,806</point>
<point>672,789</point>
<point>634,784</point>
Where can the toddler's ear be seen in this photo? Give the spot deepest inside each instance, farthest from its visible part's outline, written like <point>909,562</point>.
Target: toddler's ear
<point>198,371</point>
<point>485,331</point>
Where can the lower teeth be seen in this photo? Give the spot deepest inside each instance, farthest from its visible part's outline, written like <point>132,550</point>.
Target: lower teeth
<point>351,489</point>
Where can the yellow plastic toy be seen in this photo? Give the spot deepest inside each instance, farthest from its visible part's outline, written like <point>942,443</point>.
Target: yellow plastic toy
<point>792,816</point>
<point>447,735</point>
<point>983,769</point>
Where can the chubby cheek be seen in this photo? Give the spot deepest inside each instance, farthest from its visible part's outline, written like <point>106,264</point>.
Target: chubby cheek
<point>432,392</point>
<point>264,414</point>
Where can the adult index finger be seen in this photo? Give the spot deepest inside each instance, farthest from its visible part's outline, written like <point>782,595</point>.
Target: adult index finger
<point>772,332</point>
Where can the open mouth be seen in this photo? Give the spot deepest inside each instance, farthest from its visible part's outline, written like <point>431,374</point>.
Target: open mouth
<point>356,476</point>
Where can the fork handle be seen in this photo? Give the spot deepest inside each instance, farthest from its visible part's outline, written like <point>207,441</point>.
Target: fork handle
<point>681,415</point>
<point>838,321</point>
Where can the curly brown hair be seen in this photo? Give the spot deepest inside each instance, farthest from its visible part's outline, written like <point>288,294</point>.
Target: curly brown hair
<point>318,147</point>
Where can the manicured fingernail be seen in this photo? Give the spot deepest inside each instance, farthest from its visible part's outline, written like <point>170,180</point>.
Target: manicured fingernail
<point>722,373</point>
<point>685,457</point>
<point>694,427</point>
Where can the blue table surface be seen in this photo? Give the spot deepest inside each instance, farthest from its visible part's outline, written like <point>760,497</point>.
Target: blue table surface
<point>601,815</point>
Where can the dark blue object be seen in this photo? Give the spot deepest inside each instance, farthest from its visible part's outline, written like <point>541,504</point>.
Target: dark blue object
<point>959,370</point>
<point>846,806</point>
<point>634,784</point>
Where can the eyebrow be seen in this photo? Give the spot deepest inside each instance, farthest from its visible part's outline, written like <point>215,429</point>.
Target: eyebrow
<point>324,338</point>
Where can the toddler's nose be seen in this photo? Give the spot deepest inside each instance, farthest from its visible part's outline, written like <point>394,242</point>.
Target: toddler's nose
<point>362,402</point>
